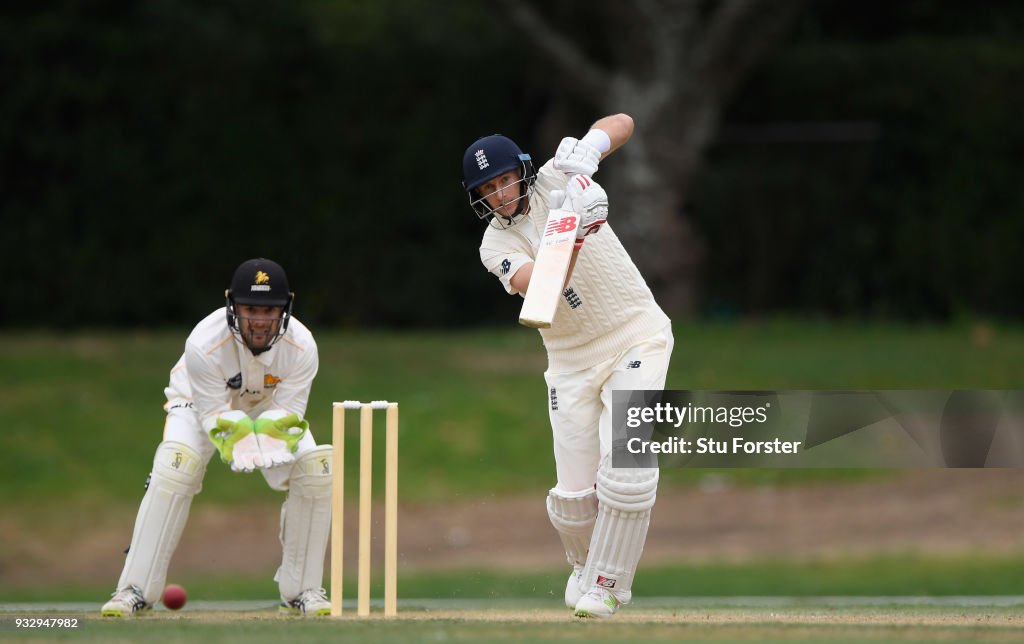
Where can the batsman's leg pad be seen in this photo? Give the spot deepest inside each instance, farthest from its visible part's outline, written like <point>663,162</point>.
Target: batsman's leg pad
<point>573,515</point>
<point>305,524</point>
<point>177,476</point>
<point>625,498</point>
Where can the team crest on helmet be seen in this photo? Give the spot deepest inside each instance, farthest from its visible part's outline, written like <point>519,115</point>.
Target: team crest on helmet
<point>261,283</point>
<point>481,159</point>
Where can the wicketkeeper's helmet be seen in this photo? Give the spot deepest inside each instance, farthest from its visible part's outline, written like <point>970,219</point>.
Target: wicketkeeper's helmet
<point>259,282</point>
<point>487,158</point>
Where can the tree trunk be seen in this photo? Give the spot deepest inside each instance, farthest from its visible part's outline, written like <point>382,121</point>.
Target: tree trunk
<point>649,192</point>
<point>674,65</point>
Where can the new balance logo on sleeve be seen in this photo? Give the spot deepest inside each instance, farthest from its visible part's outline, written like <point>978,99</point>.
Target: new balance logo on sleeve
<point>635,364</point>
<point>505,267</point>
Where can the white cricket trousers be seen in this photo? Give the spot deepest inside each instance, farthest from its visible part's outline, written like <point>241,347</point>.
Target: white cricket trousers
<point>580,406</point>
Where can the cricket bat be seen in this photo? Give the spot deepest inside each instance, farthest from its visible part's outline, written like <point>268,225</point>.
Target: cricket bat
<point>549,268</point>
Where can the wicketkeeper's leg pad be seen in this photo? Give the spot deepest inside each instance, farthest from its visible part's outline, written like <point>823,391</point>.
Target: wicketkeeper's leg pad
<point>625,498</point>
<point>305,523</point>
<point>573,515</point>
<point>177,476</point>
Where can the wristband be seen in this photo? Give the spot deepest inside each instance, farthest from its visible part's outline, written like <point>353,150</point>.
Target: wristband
<point>599,139</point>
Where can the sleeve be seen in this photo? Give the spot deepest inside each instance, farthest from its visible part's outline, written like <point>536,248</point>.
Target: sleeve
<point>503,260</point>
<point>503,253</point>
<point>549,179</point>
<point>209,391</point>
<point>292,394</point>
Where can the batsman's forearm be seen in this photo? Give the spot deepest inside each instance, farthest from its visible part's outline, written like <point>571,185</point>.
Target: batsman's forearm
<point>618,127</point>
<point>521,280</point>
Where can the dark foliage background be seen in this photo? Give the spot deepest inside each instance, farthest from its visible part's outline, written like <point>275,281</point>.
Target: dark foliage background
<point>868,168</point>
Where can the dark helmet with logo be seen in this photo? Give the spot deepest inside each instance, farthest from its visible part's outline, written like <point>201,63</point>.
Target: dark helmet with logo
<point>490,157</point>
<point>259,282</point>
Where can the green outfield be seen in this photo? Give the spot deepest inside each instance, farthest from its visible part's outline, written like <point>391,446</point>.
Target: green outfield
<point>83,410</point>
<point>83,414</point>
<point>888,575</point>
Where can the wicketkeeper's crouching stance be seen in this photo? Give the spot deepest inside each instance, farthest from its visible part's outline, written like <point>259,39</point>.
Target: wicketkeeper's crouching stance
<point>240,389</point>
<point>607,333</point>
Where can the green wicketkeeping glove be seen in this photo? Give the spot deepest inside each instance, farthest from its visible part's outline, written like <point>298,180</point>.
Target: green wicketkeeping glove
<point>228,433</point>
<point>288,429</point>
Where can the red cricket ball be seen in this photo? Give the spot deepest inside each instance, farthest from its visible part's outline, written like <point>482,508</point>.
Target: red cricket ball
<point>174,596</point>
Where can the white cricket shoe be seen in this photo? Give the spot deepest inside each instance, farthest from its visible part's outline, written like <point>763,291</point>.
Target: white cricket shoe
<point>125,603</point>
<point>599,602</point>
<point>573,592</point>
<point>309,602</point>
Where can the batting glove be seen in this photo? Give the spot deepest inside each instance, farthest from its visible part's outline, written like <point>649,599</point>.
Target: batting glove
<point>574,156</point>
<point>587,199</point>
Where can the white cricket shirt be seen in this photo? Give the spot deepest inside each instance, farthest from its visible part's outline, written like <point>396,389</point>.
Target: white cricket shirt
<point>606,307</point>
<point>218,373</point>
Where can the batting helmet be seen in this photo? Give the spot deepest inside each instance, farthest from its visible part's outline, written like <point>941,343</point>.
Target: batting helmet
<point>490,157</point>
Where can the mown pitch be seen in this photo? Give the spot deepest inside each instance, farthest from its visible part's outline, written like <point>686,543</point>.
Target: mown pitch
<point>761,619</point>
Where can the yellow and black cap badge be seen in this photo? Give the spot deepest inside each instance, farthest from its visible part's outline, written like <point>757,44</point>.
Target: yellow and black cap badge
<point>260,282</point>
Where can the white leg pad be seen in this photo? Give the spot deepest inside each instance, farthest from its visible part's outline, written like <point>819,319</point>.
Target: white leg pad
<point>177,476</point>
<point>305,524</point>
<point>573,515</point>
<point>625,498</point>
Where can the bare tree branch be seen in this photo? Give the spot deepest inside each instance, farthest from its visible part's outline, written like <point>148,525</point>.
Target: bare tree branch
<point>578,70</point>
<point>667,28</point>
<point>720,33</point>
<point>674,64</point>
<point>739,35</point>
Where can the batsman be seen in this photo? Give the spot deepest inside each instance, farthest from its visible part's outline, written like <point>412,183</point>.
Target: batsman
<point>240,389</point>
<point>606,333</point>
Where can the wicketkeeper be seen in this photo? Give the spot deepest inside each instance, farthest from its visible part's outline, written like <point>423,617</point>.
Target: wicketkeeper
<point>608,333</point>
<point>240,389</point>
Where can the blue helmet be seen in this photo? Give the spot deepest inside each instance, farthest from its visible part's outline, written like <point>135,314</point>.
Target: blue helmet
<point>487,158</point>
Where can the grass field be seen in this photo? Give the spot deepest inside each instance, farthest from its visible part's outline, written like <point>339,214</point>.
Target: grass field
<point>890,575</point>
<point>83,414</point>
<point>776,619</point>
<point>83,411</point>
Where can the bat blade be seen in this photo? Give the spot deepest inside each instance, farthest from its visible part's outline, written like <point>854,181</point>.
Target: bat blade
<point>549,270</point>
